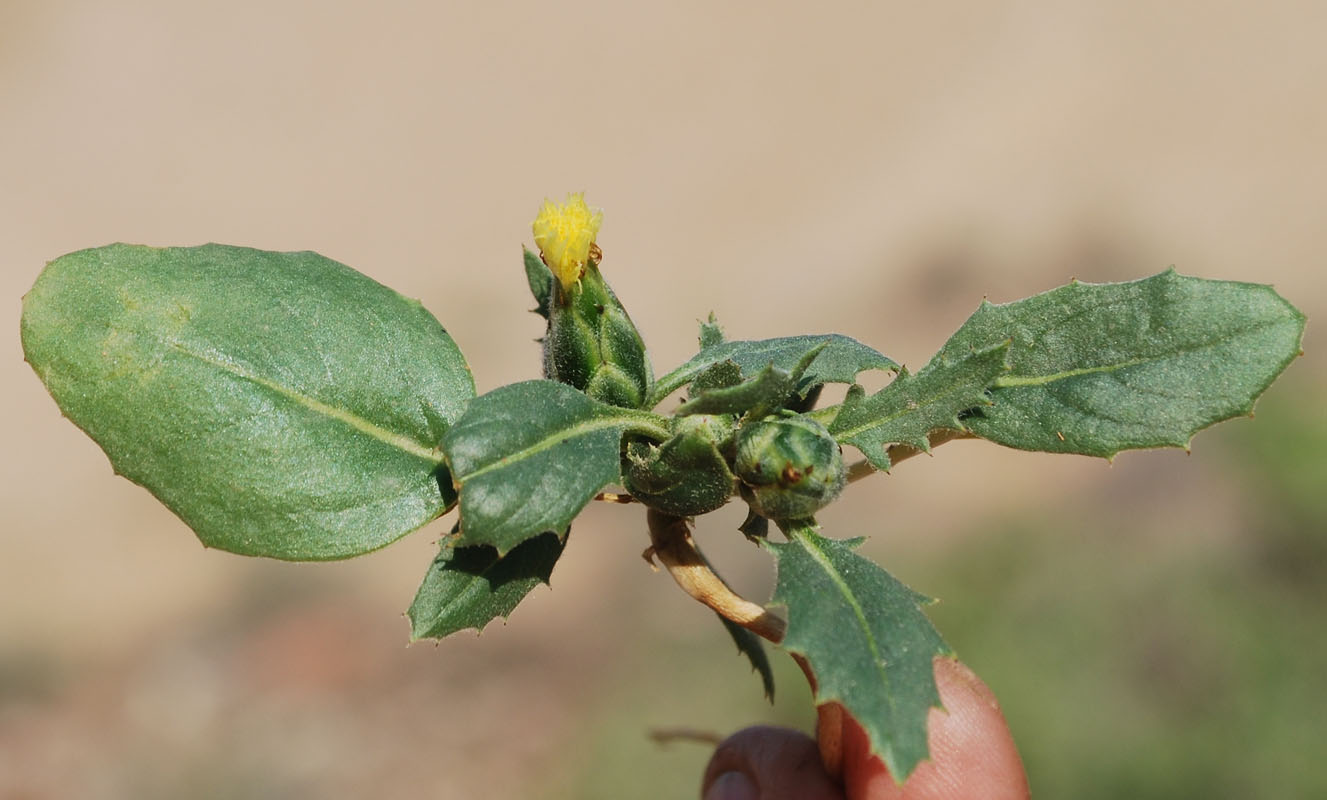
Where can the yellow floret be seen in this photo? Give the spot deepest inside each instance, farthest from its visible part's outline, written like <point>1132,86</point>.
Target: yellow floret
<point>564,235</point>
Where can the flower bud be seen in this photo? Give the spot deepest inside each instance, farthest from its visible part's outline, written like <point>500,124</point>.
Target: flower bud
<point>687,475</point>
<point>789,467</point>
<point>591,342</point>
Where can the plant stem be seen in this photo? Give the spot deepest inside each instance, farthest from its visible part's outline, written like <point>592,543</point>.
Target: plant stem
<point>902,452</point>
<point>669,735</point>
<point>668,384</point>
<point>671,541</point>
<point>646,423</point>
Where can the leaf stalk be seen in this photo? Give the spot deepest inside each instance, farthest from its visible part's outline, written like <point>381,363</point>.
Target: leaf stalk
<point>671,542</point>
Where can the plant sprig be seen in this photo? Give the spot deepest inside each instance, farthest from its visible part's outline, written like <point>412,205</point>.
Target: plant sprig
<point>284,405</point>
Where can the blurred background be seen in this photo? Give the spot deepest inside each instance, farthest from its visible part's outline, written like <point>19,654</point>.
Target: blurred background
<point>1154,628</point>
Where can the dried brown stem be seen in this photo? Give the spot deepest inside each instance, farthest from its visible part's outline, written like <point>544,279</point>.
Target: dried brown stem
<point>671,542</point>
<point>669,735</point>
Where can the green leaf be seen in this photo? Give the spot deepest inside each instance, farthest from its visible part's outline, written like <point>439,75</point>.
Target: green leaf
<point>527,457</point>
<point>711,334</point>
<point>281,404</point>
<point>750,645</point>
<point>910,407</point>
<point>540,278</point>
<point>687,475</point>
<point>760,395</point>
<point>754,527</point>
<point>768,389</point>
<point>839,362</point>
<point>865,638</point>
<point>722,375</point>
<point>467,587</point>
<point>1100,368</point>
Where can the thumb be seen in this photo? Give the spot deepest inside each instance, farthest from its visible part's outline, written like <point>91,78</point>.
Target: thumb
<point>768,763</point>
<point>972,755</point>
<point>972,750</point>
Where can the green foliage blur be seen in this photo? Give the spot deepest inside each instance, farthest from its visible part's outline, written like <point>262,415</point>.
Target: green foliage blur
<point>1128,668</point>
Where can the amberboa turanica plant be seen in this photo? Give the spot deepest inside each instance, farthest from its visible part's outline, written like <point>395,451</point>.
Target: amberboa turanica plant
<point>287,406</point>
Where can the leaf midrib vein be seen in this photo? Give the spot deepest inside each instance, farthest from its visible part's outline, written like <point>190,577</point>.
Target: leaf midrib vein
<point>820,558</point>
<point>559,436</point>
<point>1011,381</point>
<point>877,422</point>
<point>400,442</point>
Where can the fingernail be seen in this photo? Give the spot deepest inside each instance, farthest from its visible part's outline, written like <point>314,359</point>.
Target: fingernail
<point>732,786</point>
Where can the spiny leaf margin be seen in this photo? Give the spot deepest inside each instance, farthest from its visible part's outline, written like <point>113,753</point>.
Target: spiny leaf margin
<point>840,362</point>
<point>912,406</point>
<point>869,646</point>
<point>468,587</point>
<point>1100,368</point>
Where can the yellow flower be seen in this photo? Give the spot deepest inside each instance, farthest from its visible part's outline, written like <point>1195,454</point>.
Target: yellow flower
<point>565,235</point>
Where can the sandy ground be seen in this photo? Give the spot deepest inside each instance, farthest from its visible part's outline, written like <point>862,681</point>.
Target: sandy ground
<point>869,168</point>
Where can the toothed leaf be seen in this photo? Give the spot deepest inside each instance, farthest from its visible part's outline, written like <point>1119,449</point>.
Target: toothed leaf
<point>467,587</point>
<point>540,278</point>
<point>757,396</point>
<point>769,388</point>
<point>722,375</point>
<point>710,333</point>
<point>840,362</point>
<point>750,645</point>
<point>867,642</point>
<point>912,406</point>
<point>1100,368</point>
<point>754,527</point>
<point>527,457</point>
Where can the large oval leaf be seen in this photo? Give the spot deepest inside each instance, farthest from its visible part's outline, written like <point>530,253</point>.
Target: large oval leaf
<point>281,404</point>
<point>1100,368</point>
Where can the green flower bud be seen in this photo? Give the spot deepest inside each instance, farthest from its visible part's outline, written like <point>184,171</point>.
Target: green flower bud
<point>687,475</point>
<point>789,467</point>
<point>591,342</point>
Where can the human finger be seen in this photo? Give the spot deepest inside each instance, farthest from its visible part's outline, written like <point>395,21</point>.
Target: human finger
<point>972,750</point>
<point>768,763</point>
